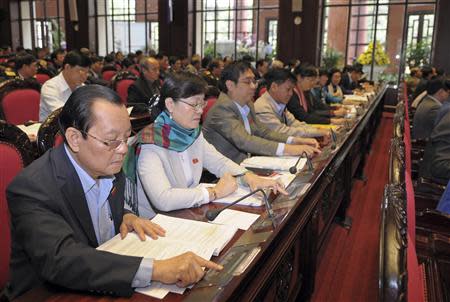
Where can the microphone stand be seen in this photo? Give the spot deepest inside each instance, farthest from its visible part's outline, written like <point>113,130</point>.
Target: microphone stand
<point>333,140</point>
<point>212,214</point>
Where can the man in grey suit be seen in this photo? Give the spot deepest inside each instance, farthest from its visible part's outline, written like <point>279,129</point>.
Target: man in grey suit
<point>271,107</point>
<point>428,108</point>
<point>71,200</point>
<point>232,127</point>
<point>436,160</point>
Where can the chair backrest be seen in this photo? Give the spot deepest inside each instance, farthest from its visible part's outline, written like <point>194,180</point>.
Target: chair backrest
<point>122,89</point>
<point>48,135</point>
<point>21,105</point>
<point>108,74</point>
<point>209,103</point>
<point>121,82</point>
<point>19,101</point>
<point>15,153</point>
<point>42,78</point>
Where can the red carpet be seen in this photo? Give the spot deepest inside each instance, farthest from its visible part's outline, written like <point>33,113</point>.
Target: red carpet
<point>348,270</point>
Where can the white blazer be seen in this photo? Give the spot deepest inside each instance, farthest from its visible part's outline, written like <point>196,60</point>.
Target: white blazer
<point>162,182</point>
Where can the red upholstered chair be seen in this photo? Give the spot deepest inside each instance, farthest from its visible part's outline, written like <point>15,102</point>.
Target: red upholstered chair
<point>135,72</point>
<point>15,153</point>
<point>121,82</point>
<point>48,135</point>
<point>261,91</point>
<point>42,78</point>
<point>209,103</point>
<point>19,101</point>
<point>108,75</point>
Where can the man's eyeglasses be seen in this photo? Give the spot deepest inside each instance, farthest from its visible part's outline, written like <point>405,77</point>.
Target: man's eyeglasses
<point>197,107</point>
<point>248,81</point>
<point>111,144</point>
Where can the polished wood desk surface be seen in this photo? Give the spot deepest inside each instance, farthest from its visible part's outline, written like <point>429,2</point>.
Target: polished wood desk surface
<point>268,237</point>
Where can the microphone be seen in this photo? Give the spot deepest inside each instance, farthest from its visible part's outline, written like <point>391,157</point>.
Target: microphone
<point>293,169</point>
<point>333,140</point>
<point>212,214</point>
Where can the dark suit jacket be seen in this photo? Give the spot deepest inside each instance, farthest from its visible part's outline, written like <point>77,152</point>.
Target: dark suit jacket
<point>317,113</point>
<point>425,117</point>
<point>436,160</point>
<point>53,238</point>
<point>347,85</point>
<point>140,92</point>
<point>224,129</point>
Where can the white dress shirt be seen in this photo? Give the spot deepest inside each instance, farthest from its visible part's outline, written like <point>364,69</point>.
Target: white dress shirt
<point>54,94</point>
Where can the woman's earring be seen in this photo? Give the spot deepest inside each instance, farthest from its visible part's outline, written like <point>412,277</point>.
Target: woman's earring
<point>170,115</point>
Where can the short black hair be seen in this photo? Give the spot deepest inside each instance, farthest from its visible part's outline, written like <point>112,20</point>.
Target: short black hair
<point>139,52</point>
<point>127,62</point>
<point>323,71</point>
<point>58,51</point>
<point>261,62</point>
<point>96,59</point>
<point>24,60</point>
<point>160,56</point>
<point>232,73</point>
<point>75,58</point>
<point>333,71</point>
<point>279,76</point>
<point>426,71</point>
<point>206,61</point>
<point>436,84</point>
<point>109,58</point>
<point>214,64</point>
<point>305,70</point>
<point>181,85</point>
<point>77,112</point>
<point>173,60</point>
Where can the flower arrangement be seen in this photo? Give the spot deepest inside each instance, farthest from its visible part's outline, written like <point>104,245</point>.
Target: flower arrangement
<point>381,58</point>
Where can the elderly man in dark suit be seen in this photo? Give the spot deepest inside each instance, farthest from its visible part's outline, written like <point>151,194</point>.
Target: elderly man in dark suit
<point>428,108</point>
<point>71,200</point>
<point>233,128</point>
<point>143,91</point>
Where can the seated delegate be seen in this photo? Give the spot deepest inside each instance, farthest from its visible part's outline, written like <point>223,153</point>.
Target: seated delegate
<point>71,200</point>
<point>165,164</point>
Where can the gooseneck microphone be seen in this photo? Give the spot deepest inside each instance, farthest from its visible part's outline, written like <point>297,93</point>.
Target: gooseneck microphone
<point>293,169</point>
<point>333,140</point>
<point>212,214</point>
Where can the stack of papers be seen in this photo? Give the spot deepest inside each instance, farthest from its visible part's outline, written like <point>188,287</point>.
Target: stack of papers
<point>182,235</point>
<point>274,163</point>
<point>355,98</point>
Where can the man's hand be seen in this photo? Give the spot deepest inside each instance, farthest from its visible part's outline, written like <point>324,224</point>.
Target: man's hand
<point>305,141</point>
<point>141,226</point>
<point>294,150</point>
<point>340,112</point>
<point>182,270</point>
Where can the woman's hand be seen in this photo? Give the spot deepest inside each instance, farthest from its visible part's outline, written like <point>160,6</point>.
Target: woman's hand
<point>226,185</point>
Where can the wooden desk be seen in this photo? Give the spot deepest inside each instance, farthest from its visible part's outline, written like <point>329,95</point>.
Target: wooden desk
<point>287,246</point>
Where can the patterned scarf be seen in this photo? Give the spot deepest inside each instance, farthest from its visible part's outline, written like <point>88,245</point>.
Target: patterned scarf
<point>335,90</point>
<point>164,132</point>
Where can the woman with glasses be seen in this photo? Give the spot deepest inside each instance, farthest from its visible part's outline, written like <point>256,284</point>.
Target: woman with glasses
<point>164,165</point>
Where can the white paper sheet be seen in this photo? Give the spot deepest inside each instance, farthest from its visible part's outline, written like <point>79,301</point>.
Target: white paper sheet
<point>275,163</point>
<point>239,219</point>
<point>30,130</point>
<point>252,201</point>
<point>129,109</point>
